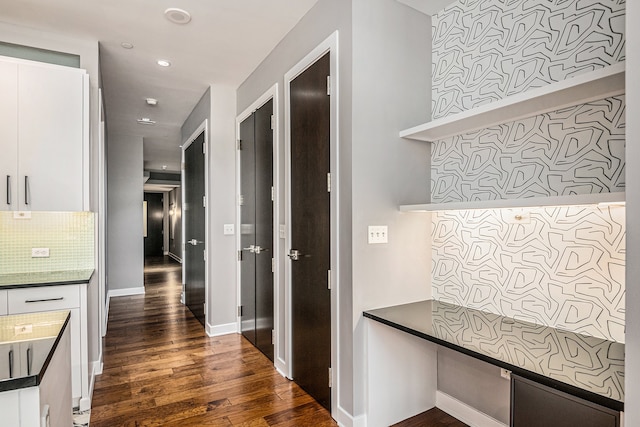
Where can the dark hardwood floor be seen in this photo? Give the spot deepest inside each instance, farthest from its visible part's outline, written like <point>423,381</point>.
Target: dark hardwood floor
<point>431,418</point>
<point>160,369</point>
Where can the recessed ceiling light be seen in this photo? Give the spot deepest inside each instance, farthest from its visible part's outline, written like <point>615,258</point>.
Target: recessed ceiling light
<point>151,101</point>
<point>126,45</point>
<point>164,167</point>
<point>163,63</point>
<point>177,16</point>
<point>146,121</point>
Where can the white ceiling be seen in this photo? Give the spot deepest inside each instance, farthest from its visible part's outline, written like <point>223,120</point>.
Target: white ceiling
<point>224,42</point>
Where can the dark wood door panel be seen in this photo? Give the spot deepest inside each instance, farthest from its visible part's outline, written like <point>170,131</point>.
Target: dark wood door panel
<point>264,228</point>
<point>153,242</point>
<point>310,230</point>
<point>194,212</point>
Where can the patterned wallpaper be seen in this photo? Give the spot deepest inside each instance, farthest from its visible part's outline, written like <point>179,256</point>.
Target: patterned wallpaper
<point>577,150</point>
<point>563,267</point>
<point>485,50</point>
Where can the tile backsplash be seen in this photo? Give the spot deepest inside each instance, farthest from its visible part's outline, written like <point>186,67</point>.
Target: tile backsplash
<point>68,235</point>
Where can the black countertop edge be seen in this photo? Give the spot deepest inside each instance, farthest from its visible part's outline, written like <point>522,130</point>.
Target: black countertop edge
<point>53,283</point>
<point>35,379</point>
<point>38,285</point>
<point>550,382</point>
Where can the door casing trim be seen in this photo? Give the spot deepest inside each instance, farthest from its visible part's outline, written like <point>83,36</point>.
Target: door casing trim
<point>329,45</point>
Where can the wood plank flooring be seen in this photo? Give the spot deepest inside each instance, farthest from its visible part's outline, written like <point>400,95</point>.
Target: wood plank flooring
<point>432,418</point>
<point>160,369</point>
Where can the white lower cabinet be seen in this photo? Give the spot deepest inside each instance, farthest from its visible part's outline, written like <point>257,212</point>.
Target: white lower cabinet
<point>3,303</point>
<point>63,297</point>
<point>46,405</point>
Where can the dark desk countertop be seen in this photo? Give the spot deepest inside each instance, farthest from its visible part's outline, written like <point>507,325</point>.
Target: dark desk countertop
<point>584,366</point>
<point>32,339</point>
<point>47,278</point>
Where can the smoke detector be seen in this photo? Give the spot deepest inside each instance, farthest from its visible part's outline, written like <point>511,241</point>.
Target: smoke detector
<point>177,16</point>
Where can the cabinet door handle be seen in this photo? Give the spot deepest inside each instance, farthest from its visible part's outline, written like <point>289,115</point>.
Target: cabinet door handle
<point>29,360</point>
<point>26,189</point>
<point>8,189</point>
<point>43,300</point>
<point>10,363</point>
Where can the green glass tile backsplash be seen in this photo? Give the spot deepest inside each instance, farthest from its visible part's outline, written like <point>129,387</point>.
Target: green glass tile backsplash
<point>68,235</point>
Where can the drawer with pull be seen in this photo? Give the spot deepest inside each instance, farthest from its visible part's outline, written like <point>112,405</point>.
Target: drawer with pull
<point>42,298</point>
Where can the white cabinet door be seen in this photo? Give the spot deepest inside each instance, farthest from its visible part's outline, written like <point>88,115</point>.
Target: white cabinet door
<point>3,303</point>
<point>8,135</point>
<point>50,130</point>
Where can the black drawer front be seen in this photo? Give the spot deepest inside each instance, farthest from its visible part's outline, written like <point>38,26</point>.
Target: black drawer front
<point>535,405</point>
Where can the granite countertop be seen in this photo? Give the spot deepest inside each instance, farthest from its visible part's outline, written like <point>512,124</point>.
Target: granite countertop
<point>584,366</point>
<point>29,341</point>
<point>45,278</point>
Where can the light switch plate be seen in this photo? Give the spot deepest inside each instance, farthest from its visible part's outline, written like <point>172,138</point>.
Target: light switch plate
<point>377,234</point>
<point>229,229</point>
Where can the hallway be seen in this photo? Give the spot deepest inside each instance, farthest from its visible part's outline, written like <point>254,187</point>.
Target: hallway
<point>160,368</point>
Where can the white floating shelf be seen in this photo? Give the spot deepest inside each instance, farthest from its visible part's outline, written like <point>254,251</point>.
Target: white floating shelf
<point>573,200</point>
<point>592,86</point>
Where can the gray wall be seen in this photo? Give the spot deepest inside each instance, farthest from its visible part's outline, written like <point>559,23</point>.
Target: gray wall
<point>391,92</point>
<point>125,247</point>
<point>218,105</point>
<point>175,222</point>
<point>632,357</point>
<point>468,380</point>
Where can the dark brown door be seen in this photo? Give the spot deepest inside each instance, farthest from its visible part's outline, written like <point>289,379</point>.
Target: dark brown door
<point>194,221</point>
<point>153,241</point>
<point>310,231</point>
<point>256,238</point>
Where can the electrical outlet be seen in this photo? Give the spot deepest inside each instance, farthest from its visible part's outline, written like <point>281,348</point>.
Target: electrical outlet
<point>505,373</point>
<point>377,234</point>
<point>22,215</point>
<point>23,329</point>
<point>229,229</point>
<point>39,252</point>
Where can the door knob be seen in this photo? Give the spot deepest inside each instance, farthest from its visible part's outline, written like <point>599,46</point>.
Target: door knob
<point>294,254</point>
<point>251,249</point>
<point>195,242</point>
<point>259,249</point>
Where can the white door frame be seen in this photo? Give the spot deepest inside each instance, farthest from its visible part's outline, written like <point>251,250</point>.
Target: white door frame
<point>279,327</point>
<point>329,45</point>
<point>204,127</point>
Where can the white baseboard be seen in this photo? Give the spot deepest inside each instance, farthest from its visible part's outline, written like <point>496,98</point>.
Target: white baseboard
<point>126,292</point>
<point>216,330</point>
<point>96,369</point>
<point>344,419</point>
<point>176,257</point>
<point>464,412</point>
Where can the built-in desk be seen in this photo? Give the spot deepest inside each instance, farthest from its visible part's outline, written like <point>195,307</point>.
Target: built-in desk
<point>586,367</point>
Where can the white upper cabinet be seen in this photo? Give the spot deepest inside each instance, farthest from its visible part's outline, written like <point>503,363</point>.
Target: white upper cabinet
<point>45,132</point>
<point>8,135</point>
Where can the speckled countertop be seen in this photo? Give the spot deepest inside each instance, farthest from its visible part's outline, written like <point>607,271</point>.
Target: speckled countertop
<point>587,367</point>
<point>46,278</point>
<point>27,344</point>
